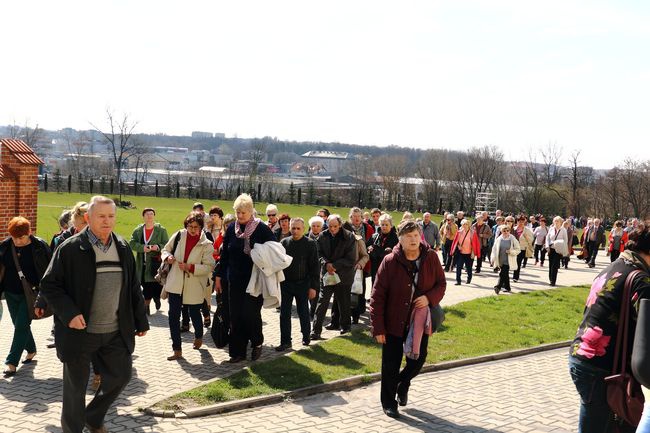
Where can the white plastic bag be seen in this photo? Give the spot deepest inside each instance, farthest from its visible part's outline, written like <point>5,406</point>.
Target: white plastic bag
<point>331,279</point>
<point>357,285</point>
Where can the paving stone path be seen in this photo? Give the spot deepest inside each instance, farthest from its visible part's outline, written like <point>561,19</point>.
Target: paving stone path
<point>527,394</point>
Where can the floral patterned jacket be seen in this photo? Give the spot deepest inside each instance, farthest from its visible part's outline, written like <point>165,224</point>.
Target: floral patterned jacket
<point>596,337</point>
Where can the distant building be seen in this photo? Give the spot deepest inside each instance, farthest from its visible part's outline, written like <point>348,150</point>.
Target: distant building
<point>333,162</point>
<point>200,134</point>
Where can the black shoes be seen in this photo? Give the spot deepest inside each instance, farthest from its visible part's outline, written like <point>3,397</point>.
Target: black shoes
<point>157,302</point>
<point>256,353</point>
<point>391,412</point>
<point>355,319</point>
<point>457,283</point>
<point>315,336</point>
<point>282,347</point>
<point>306,342</point>
<point>236,359</point>
<point>185,328</point>
<point>402,395</point>
<point>497,289</point>
<point>344,331</point>
<point>332,327</point>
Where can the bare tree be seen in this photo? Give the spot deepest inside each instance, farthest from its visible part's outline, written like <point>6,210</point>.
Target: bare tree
<point>29,135</point>
<point>478,170</point>
<point>391,169</point>
<point>432,169</point>
<point>118,137</point>
<point>635,178</point>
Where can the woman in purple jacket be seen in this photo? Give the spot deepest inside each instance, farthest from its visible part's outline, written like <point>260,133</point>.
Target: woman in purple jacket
<point>409,277</point>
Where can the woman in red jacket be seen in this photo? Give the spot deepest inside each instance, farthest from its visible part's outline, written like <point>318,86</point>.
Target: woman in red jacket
<point>409,277</point>
<point>465,247</point>
<point>617,241</point>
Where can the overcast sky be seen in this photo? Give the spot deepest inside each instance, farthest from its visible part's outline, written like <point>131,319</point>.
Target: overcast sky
<point>412,73</point>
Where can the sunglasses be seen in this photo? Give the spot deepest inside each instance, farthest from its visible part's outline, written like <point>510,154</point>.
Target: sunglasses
<point>270,214</point>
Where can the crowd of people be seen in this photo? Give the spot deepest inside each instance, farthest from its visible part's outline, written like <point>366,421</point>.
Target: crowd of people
<point>100,287</point>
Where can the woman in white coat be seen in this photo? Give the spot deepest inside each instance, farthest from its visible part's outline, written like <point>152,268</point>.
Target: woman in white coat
<point>189,278</point>
<point>557,245</point>
<point>504,256</point>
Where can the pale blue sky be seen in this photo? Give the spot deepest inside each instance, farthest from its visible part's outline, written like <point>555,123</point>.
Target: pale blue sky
<point>412,73</point>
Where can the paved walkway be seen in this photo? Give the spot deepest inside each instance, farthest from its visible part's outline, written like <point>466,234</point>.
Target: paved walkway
<point>472,399</point>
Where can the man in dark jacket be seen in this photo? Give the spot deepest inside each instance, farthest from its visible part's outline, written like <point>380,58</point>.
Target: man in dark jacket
<point>338,252</point>
<point>301,281</point>
<point>393,300</point>
<point>594,238</point>
<point>93,288</point>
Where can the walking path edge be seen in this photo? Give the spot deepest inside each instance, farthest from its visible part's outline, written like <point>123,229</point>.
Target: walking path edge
<point>346,384</point>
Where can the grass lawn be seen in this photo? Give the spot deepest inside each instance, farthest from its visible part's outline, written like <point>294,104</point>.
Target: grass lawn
<point>473,328</point>
<point>170,212</point>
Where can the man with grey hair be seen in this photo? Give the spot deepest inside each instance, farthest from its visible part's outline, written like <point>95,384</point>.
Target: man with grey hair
<point>338,252</point>
<point>301,280</point>
<point>93,288</point>
<point>430,231</point>
<point>593,239</point>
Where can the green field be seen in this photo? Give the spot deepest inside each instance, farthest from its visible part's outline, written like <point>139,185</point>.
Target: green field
<point>170,212</point>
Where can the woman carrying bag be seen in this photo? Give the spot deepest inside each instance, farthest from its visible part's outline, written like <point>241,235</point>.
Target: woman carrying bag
<point>189,278</point>
<point>592,353</point>
<point>31,255</point>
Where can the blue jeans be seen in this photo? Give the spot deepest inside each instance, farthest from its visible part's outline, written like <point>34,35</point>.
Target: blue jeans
<point>595,414</point>
<point>300,291</point>
<point>175,305</point>
<point>644,425</point>
<point>463,260</point>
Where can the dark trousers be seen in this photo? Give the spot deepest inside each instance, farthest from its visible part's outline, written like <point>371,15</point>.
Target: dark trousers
<point>504,278</point>
<point>391,359</point>
<point>565,262</point>
<point>300,291</point>
<point>540,254</point>
<point>342,298</point>
<point>614,255</point>
<point>245,321</point>
<point>446,256</point>
<point>23,339</point>
<point>313,303</point>
<point>553,265</point>
<point>114,363</point>
<point>463,260</point>
<point>593,252</point>
<point>175,306</point>
<point>357,305</point>
<point>205,310</point>
<point>484,255</point>
<point>520,259</point>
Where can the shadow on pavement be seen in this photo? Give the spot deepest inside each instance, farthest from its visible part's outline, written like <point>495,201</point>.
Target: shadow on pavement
<point>427,422</point>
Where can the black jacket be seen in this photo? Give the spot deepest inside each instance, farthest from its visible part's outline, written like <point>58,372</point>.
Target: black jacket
<point>68,287</point>
<point>304,266</point>
<point>42,256</point>
<point>343,258</point>
<point>381,247</point>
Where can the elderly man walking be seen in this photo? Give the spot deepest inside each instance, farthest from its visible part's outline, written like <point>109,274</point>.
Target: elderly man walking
<point>93,288</point>
<point>430,231</point>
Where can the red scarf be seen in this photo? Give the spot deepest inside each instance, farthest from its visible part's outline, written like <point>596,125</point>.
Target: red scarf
<point>250,227</point>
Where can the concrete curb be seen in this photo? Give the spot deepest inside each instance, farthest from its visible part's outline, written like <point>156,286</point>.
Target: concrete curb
<point>346,384</point>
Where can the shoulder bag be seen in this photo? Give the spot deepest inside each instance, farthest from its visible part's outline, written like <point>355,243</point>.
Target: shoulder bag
<point>31,292</point>
<point>624,394</point>
<point>220,331</point>
<point>163,270</point>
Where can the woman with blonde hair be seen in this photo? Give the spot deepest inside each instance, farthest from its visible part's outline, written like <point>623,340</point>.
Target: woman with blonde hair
<point>557,245</point>
<point>236,266</point>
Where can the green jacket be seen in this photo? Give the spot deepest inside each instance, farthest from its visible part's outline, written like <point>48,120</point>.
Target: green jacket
<point>151,260</point>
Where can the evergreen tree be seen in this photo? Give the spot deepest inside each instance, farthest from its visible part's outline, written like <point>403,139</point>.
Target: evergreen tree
<point>292,193</point>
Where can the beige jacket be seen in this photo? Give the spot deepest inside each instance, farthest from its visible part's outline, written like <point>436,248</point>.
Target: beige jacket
<point>526,241</point>
<point>193,286</point>
<point>362,252</point>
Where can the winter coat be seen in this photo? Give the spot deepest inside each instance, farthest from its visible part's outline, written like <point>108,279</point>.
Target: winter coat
<point>269,259</point>
<point>515,249</point>
<point>148,262</point>
<point>343,257</point>
<point>194,286</point>
<point>392,294</point>
<point>68,286</point>
<point>382,245</point>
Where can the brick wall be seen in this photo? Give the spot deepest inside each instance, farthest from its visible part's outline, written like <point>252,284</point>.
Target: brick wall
<point>18,190</point>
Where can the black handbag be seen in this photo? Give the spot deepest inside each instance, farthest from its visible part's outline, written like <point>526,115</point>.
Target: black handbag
<point>220,331</point>
<point>31,292</point>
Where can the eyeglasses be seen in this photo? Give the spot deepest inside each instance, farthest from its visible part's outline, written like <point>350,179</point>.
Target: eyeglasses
<point>505,231</point>
<point>270,214</point>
